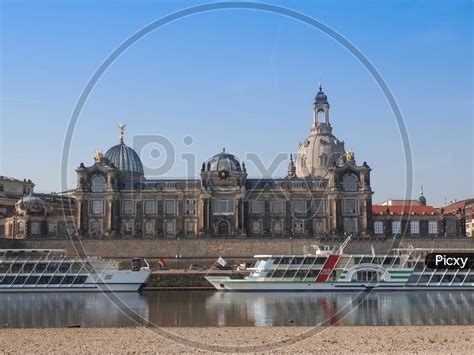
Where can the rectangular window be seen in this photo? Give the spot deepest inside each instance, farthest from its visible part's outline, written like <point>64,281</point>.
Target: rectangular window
<point>171,184</point>
<point>150,207</point>
<point>257,206</point>
<point>21,227</point>
<point>191,185</point>
<point>432,227</point>
<point>450,227</point>
<point>298,206</point>
<point>52,227</point>
<point>97,207</point>
<point>171,207</point>
<point>128,207</point>
<point>297,184</point>
<point>318,206</point>
<point>223,207</point>
<point>415,227</point>
<point>191,207</point>
<point>396,227</point>
<point>319,227</point>
<point>350,206</point>
<point>34,228</point>
<point>350,225</point>
<point>378,227</point>
<point>96,227</point>
<point>1,188</point>
<point>277,206</point>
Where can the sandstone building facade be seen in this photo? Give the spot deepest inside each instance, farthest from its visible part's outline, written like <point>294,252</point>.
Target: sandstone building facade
<point>324,193</point>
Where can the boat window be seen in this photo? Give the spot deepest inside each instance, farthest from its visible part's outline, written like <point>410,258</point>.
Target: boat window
<point>80,279</point>
<point>285,261</point>
<point>44,280</point>
<point>458,278</point>
<point>309,261</point>
<point>436,278</point>
<point>68,280</point>
<point>277,260</point>
<point>469,278</point>
<point>413,279</point>
<point>366,259</point>
<point>19,280</point>
<point>278,273</point>
<point>32,280</point>
<point>424,279</point>
<point>7,280</point>
<point>420,265</point>
<point>313,273</point>
<point>300,275</point>
<point>320,260</point>
<point>297,261</point>
<point>56,280</point>
<point>290,273</point>
<point>447,278</point>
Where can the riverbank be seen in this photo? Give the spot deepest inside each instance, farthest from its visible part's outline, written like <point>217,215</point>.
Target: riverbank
<point>359,339</point>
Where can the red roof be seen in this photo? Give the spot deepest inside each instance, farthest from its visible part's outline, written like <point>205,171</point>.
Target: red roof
<point>377,209</point>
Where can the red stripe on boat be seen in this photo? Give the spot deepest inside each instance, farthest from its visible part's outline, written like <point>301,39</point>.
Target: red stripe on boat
<point>328,267</point>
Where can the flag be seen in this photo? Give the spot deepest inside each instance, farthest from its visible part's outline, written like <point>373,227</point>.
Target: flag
<point>221,261</point>
<point>162,262</point>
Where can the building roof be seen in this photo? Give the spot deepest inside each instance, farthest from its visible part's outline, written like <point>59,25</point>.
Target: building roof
<point>6,178</point>
<point>125,159</point>
<point>453,207</point>
<point>404,209</point>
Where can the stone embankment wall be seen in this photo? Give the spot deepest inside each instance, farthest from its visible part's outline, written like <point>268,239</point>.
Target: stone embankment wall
<point>210,249</point>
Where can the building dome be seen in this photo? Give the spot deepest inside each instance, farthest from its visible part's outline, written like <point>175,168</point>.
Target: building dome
<point>321,149</point>
<point>224,161</point>
<point>317,153</point>
<point>320,96</point>
<point>125,159</point>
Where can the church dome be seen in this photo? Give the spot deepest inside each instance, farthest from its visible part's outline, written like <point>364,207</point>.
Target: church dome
<point>317,153</point>
<point>125,159</point>
<point>321,149</point>
<point>320,96</point>
<point>224,161</point>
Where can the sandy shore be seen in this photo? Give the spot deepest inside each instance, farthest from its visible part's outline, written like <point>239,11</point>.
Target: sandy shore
<point>400,339</point>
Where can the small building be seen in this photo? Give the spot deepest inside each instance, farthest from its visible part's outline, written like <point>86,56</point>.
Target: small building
<point>464,211</point>
<point>10,191</point>
<point>411,221</point>
<point>41,216</point>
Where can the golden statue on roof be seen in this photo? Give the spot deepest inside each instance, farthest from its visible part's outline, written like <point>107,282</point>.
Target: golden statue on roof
<point>349,156</point>
<point>98,156</point>
<point>122,130</point>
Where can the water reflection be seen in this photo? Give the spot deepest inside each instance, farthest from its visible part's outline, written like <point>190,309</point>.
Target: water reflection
<point>203,308</point>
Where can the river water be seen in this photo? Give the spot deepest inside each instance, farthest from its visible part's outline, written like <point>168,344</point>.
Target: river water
<point>210,308</point>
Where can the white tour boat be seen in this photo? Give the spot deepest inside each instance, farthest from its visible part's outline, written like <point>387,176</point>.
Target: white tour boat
<point>52,270</point>
<point>328,269</point>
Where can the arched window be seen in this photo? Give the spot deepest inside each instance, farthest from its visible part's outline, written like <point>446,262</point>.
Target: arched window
<point>320,116</point>
<point>322,160</point>
<point>98,184</point>
<point>350,183</point>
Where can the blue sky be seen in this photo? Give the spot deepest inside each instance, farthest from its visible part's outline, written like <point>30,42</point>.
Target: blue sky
<point>240,79</point>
